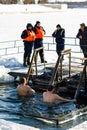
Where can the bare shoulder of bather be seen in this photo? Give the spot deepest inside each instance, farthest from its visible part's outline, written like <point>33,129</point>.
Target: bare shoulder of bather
<point>29,89</point>
<point>23,89</point>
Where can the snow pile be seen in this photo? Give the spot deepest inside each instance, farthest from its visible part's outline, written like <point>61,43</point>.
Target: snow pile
<point>7,125</point>
<point>10,62</point>
<point>4,77</point>
<point>82,126</point>
<point>5,67</point>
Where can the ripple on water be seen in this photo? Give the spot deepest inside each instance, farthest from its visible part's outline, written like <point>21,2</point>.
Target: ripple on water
<point>21,110</point>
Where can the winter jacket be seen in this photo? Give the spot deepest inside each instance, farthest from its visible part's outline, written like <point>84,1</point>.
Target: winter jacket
<point>59,35</point>
<point>84,36</point>
<point>39,31</point>
<point>28,35</point>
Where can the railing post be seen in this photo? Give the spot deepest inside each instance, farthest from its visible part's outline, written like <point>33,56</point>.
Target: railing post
<point>14,45</point>
<point>5,51</point>
<point>48,46</point>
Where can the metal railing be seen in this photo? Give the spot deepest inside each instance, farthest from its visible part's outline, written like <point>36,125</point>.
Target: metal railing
<point>16,46</point>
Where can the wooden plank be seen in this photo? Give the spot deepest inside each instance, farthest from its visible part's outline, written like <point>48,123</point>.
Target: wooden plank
<point>58,120</point>
<point>80,81</point>
<point>73,57</point>
<point>16,74</point>
<point>72,114</point>
<point>30,66</point>
<point>64,52</point>
<point>55,71</point>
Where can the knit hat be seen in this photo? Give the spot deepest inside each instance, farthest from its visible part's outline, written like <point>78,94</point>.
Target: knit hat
<point>58,25</point>
<point>82,24</point>
<point>37,22</point>
<point>29,25</point>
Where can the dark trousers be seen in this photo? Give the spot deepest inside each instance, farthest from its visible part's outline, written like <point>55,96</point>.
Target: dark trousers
<point>37,44</point>
<point>59,48</point>
<point>84,49</point>
<point>28,49</point>
<point>27,52</point>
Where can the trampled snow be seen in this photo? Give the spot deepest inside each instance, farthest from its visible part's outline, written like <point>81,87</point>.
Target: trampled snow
<point>7,125</point>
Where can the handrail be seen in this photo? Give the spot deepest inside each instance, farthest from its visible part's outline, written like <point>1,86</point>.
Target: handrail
<point>16,46</point>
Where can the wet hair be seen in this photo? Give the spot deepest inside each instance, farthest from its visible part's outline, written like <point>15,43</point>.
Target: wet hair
<point>58,25</point>
<point>22,80</point>
<point>50,88</point>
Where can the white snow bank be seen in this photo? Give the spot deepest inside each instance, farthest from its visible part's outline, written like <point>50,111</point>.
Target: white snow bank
<point>25,8</point>
<point>7,125</point>
<point>9,62</point>
<point>82,126</point>
<point>5,67</point>
<point>4,77</point>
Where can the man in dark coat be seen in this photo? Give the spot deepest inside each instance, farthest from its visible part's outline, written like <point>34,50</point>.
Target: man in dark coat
<point>82,35</point>
<point>59,35</point>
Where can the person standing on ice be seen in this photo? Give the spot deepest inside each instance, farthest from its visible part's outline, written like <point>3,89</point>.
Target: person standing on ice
<point>28,37</point>
<point>39,32</point>
<point>82,35</point>
<point>59,35</point>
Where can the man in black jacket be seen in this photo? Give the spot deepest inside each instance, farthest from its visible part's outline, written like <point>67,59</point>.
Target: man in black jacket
<point>59,35</point>
<point>82,35</point>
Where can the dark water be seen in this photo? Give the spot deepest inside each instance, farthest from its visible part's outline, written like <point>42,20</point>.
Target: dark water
<point>24,110</point>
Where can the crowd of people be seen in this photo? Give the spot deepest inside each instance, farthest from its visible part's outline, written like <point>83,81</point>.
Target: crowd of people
<point>33,36</point>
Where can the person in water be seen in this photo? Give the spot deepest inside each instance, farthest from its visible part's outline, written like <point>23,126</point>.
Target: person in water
<point>24,89</point>
<point>50,97</point>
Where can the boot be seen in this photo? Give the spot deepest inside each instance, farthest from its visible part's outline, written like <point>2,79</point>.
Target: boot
<point>28,60</point>
<point>24,63</point>
<point>35,58</point>
<point>42,59</point>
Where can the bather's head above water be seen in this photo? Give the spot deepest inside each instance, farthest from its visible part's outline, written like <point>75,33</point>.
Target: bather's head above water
<point>23,80</point>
